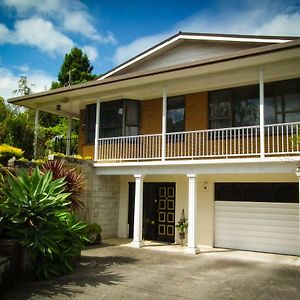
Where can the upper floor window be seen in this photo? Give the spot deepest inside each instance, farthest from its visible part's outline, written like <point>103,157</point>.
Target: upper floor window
<point>237,107</point>
<point>175,114</point>
<point>117,118</point>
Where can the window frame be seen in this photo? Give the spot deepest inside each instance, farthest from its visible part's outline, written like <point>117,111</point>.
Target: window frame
<point>182,105</point>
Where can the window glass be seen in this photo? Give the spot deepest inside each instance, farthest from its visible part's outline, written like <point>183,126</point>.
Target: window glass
<point>111,114</point>
<point>245,106</point>
<point>292,102</point>
<point>270,111</point>
<point>175,114</point>
<point>132,113</point>
<point>90,123</point>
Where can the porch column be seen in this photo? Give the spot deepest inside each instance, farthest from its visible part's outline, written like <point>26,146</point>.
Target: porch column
<point>138,212</point>
<point>261,113</point>
<point>192,215</point>
<point>298,175</point>
<point>164,125</point>
<point>96,149</point>
<point>68,147</point>
<point>36,131</point>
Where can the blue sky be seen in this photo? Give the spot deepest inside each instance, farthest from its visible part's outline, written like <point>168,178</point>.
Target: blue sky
<point>35,34</point>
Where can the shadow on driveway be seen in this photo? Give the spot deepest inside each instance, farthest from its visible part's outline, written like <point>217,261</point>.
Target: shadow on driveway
<point>91,272</point>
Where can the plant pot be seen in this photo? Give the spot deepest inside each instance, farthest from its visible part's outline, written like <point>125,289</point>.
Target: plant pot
<point>182,237</point>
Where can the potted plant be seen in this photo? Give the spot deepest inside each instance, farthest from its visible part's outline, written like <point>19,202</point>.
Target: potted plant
<point>181,227</point>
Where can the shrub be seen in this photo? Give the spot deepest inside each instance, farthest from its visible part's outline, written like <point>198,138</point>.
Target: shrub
<point>7,152</point>
<point>94,233</point>
<point>37,214</point>
<point>74,180</point>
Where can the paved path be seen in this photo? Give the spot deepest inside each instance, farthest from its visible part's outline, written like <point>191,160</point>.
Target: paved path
<point>118,272</point>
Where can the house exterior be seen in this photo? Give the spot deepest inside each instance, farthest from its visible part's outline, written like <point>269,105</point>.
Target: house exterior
<point>204,123</point>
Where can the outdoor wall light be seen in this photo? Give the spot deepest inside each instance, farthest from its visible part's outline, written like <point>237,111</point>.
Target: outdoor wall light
<point>58,107</point>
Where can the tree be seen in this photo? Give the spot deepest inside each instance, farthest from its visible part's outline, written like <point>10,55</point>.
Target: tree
<point>75,69</point>
<point>16,127</point>
<point>24,87</point>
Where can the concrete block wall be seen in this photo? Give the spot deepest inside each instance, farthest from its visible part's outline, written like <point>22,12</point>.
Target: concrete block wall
<point>101,197</point>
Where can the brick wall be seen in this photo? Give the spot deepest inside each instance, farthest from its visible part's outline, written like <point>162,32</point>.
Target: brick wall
<point>150,118</point>
<point>196,118</point>
<point>196,111</point>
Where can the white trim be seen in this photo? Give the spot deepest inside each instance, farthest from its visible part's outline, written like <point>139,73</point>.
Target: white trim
<point>97,125</point>
<point>261,113</point>
<point>192,37</point>
<point>138,213</point>
<point>164,125</point>
<point>68,147</point>
<point>36,131</point>
<point>200,162</point>
<point>192,215</point>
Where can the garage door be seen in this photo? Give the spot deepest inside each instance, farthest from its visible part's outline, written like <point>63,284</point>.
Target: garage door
<point>259,217</point>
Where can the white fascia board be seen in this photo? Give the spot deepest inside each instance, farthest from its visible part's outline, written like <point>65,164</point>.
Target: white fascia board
<point>194,37</point>
<point>234,39</point>
<point>140,57</point>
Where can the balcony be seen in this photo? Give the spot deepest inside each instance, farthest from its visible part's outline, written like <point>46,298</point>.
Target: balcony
<point>236,142</point>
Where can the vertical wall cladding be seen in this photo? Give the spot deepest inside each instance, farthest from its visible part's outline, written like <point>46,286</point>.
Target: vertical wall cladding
<point>151,114</point>
<point>101,197</point>
<point>196,114</point>
<point>196,111</point>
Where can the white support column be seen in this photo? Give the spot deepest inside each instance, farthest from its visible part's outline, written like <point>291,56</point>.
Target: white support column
<point>262,113</point>
<point>36,131</point>
<point>192,215</point>
<point>298,174</point>
<point>164,125</point>
<point>68,147</point>
<point>96,150</point>
<point>138,213</point>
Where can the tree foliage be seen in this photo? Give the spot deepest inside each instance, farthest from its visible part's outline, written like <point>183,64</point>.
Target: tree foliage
<point>35,211</point>
<point>75,69</point>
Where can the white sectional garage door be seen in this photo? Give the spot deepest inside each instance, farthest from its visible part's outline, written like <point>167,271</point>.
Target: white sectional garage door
<point>268,224</point>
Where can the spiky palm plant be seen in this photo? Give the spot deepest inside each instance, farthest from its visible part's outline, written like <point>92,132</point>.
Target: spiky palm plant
<point>74,180</point>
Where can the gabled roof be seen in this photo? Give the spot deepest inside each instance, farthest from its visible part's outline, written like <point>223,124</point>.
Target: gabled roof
<point>180,36</point>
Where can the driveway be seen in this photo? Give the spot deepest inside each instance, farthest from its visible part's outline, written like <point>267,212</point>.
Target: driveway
<point>120,272</point>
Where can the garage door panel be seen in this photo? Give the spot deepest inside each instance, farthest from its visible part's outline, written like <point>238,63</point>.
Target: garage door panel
<point>264,247</point>
<point>258,226</point>
<point>259,233</point>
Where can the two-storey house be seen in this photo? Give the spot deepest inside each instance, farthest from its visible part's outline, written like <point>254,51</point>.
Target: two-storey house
<point>201,122</point>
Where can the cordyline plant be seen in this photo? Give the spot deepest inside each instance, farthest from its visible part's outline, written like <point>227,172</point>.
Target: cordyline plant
<point>74,180</point>
<point>36,212</point>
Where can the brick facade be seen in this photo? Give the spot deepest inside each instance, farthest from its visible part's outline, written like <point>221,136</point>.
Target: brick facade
<point>196,118</point>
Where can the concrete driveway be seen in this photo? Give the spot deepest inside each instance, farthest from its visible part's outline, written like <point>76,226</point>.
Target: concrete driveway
<point>120,272</point>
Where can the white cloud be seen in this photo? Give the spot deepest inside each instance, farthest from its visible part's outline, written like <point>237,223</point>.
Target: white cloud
<point>91,52</point>
<point>4,33</point>
<point>70,14</point>
<point>9,81</point>
<point>42,34</point>
<point>267,18</point>
<point>282,25</point>
<point>39,33</point>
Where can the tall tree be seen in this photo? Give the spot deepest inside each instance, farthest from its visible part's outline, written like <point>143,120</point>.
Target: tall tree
<point>76,68</point>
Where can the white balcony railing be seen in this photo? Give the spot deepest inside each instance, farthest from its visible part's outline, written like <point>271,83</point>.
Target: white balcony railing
<point>212,143</point>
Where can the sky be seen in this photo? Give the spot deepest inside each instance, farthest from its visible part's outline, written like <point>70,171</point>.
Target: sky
<point>36,34</point>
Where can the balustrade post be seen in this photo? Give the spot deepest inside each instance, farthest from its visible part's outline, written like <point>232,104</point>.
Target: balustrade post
<point>68,144</point>
<point>164,125</point>
<point>36,131</point>
<point>298,175</point>
<point>261,113</point>
<point>96,150</point>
